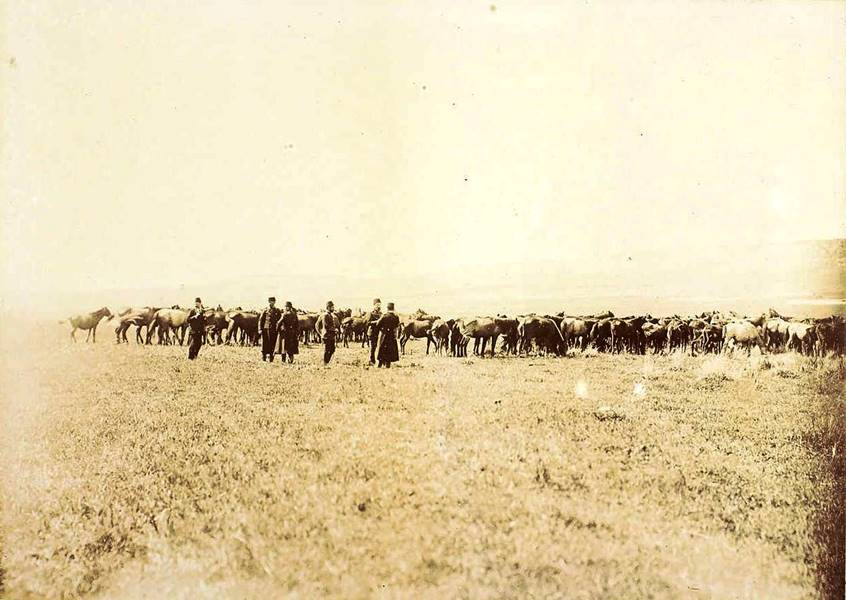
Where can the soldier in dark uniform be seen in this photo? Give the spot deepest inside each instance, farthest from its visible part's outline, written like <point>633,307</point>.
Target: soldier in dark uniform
<point>386,327</point>
<point>289,328</point>
<point>375,315</point>
<point>268,325</point>
<point>197,323</point>
<point>330,330</point>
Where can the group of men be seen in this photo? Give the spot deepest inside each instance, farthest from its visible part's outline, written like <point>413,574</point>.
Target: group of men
<point>272,322</point>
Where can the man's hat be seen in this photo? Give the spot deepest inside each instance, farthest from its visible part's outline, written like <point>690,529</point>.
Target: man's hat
<point>330,303</point>
<point>377,301</point>
<point>272,299</point>
<point>288,304</point>
<point>197,300</point>
<point>390,306</point>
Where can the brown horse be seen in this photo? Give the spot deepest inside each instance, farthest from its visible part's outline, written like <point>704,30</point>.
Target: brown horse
<point>139,317</point>
<point>308,333</point>
<point>245,323</point>
<point>415,329</point>
<point>216,324</point>
<point>168,319</point>
<point>89,322</point>
<point>354,328</point>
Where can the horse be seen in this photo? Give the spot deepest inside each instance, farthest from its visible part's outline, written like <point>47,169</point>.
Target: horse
<point>89,322</point>
<point>164,320</point>
<point>415,329</point>
<point>744,334</point>
<point>139,317</point>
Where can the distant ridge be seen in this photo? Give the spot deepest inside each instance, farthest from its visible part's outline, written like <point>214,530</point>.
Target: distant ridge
<point>801,277</point>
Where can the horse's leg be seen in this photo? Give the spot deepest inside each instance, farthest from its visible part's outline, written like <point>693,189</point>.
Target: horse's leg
<point>94,334</point>
<point>88,337</point>
<point>73,332</point>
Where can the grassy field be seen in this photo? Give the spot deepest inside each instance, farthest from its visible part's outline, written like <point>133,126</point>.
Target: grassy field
<point>130,472</point>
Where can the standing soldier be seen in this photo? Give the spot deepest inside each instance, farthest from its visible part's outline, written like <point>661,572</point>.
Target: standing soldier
<point>289,327</point>
<point>375,315</point>
<point>197,323</point>
<point>330,328</point>
<point>386,327</point>
<point>268,324</point>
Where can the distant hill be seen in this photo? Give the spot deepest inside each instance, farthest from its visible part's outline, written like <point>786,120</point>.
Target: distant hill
<point>807,277</point>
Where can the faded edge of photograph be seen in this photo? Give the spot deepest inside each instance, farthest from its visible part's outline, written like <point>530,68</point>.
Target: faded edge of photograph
<point>423,300</point>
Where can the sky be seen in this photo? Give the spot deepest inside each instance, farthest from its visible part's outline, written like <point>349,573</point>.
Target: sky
<point>175,145</point>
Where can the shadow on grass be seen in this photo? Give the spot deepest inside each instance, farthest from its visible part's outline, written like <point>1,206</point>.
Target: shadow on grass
<point>827,438</point>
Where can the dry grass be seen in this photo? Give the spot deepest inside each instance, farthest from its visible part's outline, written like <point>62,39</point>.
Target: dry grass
<point>130,471</point>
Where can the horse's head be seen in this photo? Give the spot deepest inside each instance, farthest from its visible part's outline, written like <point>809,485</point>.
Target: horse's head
<point>106,313</point>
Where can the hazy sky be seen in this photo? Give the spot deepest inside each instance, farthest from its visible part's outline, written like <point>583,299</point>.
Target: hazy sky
<point>163,143</point>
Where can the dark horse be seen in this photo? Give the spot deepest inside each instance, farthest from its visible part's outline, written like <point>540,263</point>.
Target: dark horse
<point>89,322</point>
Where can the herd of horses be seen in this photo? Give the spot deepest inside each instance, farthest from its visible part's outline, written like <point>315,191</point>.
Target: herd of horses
<point>708,332</point>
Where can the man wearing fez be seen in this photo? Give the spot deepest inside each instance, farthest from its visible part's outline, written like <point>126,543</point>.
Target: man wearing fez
<point>197,323</point>
<point>289,328</point>
<point>374,317</point>
<point>268,325</point>
<point>330,329</point>
<point>386,327</point>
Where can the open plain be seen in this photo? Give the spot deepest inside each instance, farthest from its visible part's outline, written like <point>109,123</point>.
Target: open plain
<point>130,472</point>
